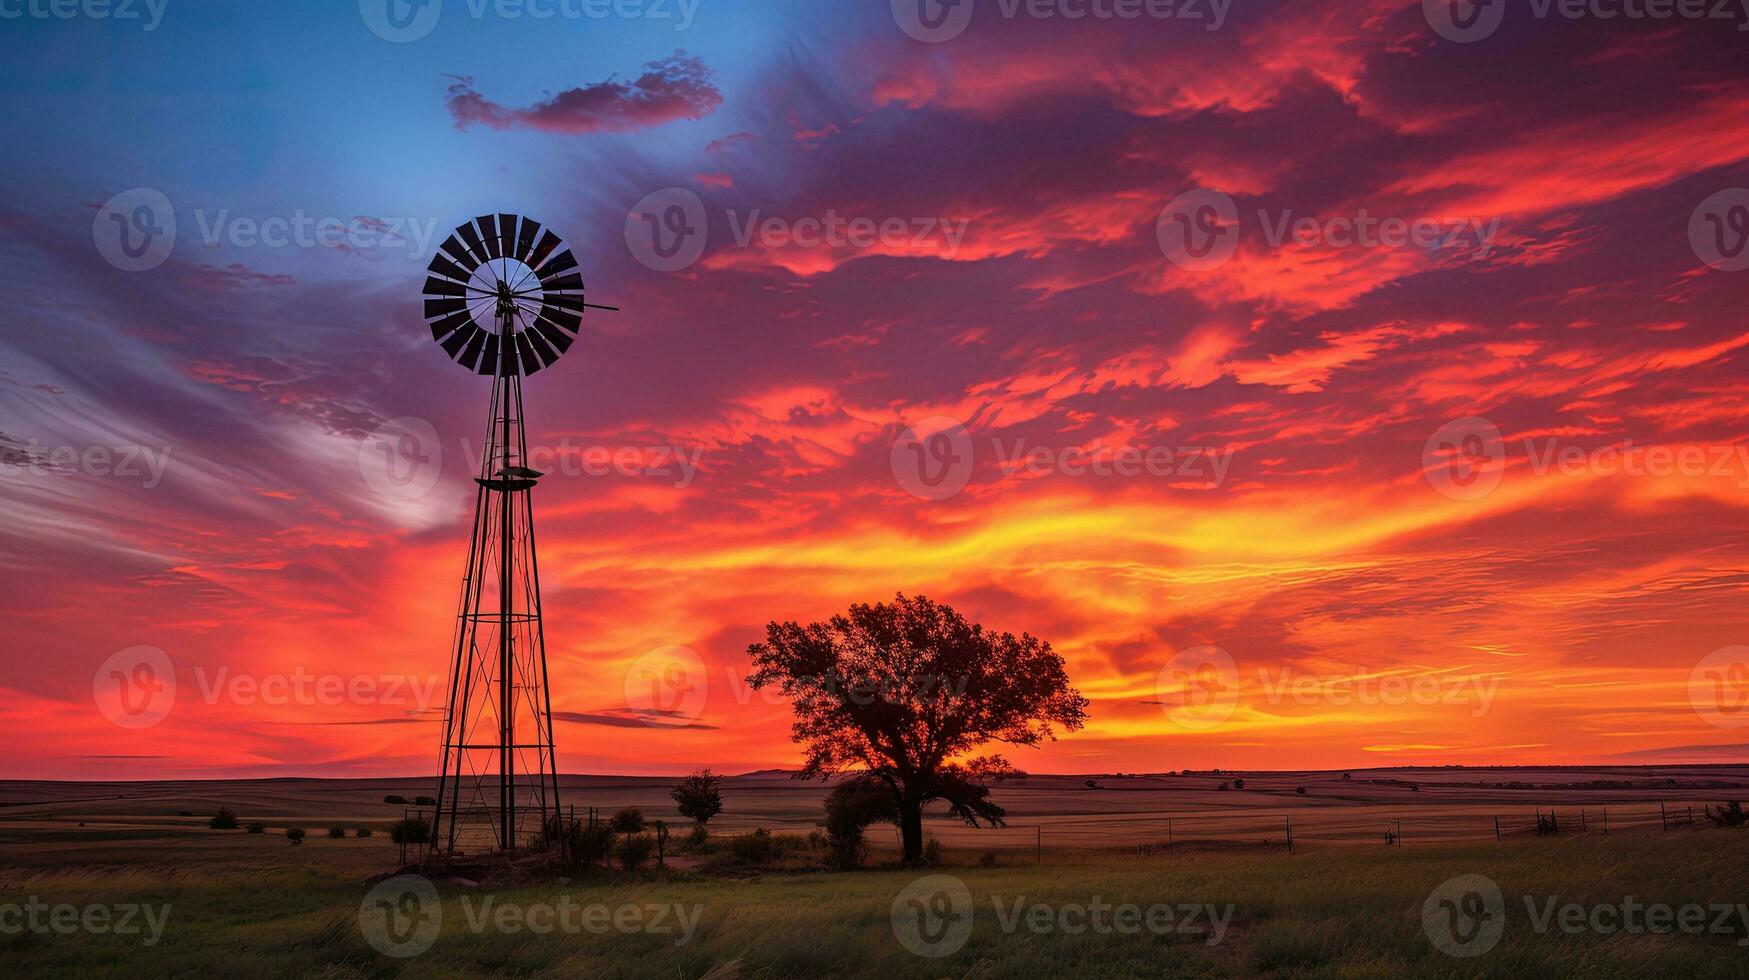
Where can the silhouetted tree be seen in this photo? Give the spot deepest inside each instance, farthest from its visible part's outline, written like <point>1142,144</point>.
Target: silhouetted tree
<point>903,690</point>
<point>698,796</point>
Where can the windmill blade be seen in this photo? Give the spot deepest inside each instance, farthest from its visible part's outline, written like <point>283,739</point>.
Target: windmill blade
<point>449,324</point>
<point>435,308</point>
<point>507,235</point>
<point>489,360</point>
<point>532,337</point>
<point>525,239</point>
<point>442,266</point>
<point>476,247</point>
<point>572,322</point>
<point>530,362</point>
<point>488,225</point>
<point>459,252</point>
<point>458,341</point>
<point>565,301</point>
<point>443,287</point>
<point>562,262</point>
<point>573,281</point>
<point>550,332</point>
<point>548,242</point>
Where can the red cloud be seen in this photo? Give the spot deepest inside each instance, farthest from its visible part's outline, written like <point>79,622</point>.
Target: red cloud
<point>674,88</point>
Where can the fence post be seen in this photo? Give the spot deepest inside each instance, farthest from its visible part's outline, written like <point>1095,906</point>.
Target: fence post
<point>1582,820</point>
<point>1496,828</point>
<point>1168,835</point>
<point>1663,820</point>
<point>1606,821</point>
<point>1289,821</point>
<point>1038,844</point>
<point>1399,831</point>
<point>661,843</point>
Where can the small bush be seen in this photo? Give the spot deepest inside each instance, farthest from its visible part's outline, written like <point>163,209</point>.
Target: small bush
<point>1300,790</point>
<point>1238,784</point>
<point>755,847</point>
<point>257,827</point>
<point>1347,775</point>
<point>1546,823</point>
<point>590,842</point>
<point>223,820</point>
<point>295,835</point>
<point>361,832</point>
<point>932,853</point>
<point>336,833</point>
<point>1227,786</point>
<point>629,821</point>
<point>634,850</point>
<point>1728,815</point>
<point>699,796</point>
<point>987,859</point>
<point>696,838</point>
<point>395,800</point>
<point>410,831</point>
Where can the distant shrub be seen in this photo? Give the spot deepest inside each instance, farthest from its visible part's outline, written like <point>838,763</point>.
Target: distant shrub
<point>1347,775</point>
<point>1728,815</point>
<point>696,838</point>
<point>257,827</point>
<point>336,833</point>
<point>1300,790</point>
<point>361,832</point>
<point>1092,785</point>
<point>412,830</point>
<point>850,808</point>
<point>395,800</point>
<point>987,859</point>
<point>629,821</point>
<point>932,853</point>
<point>1414,789</point>
<point>1547,823</point>
<point>424,801</point>
<point>295,835</point>
<point>223,820</point>
<point>634,850</point>
<point>698,796</point>
<point>1238,784</point>
<point>754,847</point>
<point>1224,787</point>
<point>590,842</point>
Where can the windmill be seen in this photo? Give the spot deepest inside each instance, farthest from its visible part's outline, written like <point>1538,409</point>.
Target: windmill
<point>504,299</point>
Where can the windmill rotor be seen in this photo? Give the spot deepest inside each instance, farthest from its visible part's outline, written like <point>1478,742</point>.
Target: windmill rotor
<point>504,296</point>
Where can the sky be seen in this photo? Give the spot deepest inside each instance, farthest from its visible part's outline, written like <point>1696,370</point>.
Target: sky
<point>1331,384</point>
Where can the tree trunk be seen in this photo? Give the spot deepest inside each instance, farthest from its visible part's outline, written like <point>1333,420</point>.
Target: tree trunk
<point>911,829</point>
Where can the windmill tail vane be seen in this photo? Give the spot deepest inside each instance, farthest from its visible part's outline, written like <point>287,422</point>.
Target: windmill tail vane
<point>504,299</point>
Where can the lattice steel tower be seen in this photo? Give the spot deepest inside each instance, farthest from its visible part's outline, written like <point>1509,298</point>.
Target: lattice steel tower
<point>505,299</point>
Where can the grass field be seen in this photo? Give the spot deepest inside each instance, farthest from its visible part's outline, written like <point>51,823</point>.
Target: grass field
<point>214,903</point>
